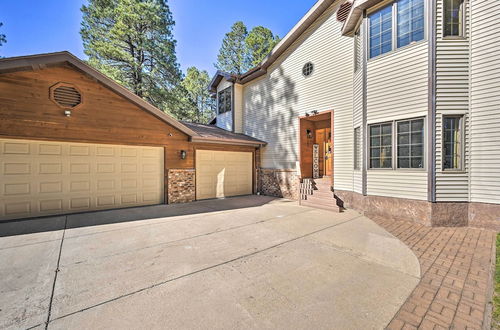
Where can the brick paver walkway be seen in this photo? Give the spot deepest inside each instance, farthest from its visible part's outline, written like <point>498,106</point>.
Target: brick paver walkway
<point>456,265</point>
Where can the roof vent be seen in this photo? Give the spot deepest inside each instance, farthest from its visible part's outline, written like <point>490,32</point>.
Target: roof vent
<point>65,95</point>
<point>343,11</point>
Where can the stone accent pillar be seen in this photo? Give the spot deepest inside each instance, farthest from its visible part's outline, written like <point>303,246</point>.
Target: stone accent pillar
<point>181,186</point>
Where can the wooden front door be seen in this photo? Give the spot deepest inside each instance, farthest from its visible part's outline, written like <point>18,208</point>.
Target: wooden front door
<point>323,139</point>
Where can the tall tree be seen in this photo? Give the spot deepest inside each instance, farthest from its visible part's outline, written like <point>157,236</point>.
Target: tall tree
<point>233,54</point>
<point>3,38</point>
<point>259,42</point>
<point>196,84</point>
<point>132,42</point>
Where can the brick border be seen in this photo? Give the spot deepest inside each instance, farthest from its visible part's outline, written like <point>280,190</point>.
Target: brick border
<point>456,276</point>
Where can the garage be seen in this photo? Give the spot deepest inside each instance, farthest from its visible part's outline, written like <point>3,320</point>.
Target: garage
<point>222,174</point>
<point>44,178</point>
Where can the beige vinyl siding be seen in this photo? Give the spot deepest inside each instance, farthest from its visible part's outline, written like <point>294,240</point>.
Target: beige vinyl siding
<point>452,98</point>
<point>224,120</point>
<point>485,102</point>
<point>358,110</point>
<point>273,103</point>
<point>397,89</point>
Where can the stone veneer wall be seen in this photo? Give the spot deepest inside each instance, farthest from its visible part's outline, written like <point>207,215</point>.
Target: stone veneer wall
<point>279,183</point>
<point>181,185</point>
<point>431,214</point>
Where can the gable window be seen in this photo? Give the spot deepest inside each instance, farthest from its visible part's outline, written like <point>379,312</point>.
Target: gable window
<point>452,142</point>
<point>410,21</point>
<point>453,18</point>
<point>381,31</point>
<point>410,143</point>
<point>357,148</point>
<point>381,145</point>
<point>407,26</point>
<point>224,100</point>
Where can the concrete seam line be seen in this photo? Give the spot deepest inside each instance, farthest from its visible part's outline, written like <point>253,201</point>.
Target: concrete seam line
<point>203,269</point>
<point>27,244</point>
<point>55,275</point>
<point>191,237</point>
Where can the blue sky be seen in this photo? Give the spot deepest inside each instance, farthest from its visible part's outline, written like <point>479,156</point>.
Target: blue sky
<point>53,25</point>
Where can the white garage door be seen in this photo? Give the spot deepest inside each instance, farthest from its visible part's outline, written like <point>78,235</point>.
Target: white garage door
<point>46,178</point>
<point>223,174</point>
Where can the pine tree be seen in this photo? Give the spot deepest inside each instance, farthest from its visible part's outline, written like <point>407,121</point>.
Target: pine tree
<point>3,38</point>
<point>196,84</point>
<point>233,54</point>
<point>259,42</point>
<point>132,42</point>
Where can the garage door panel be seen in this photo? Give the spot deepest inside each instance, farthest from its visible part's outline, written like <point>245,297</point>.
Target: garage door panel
<point>46,178</point>
<point>223,173</point>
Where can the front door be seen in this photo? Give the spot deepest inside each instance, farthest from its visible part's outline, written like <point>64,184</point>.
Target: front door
<point>323,140</point>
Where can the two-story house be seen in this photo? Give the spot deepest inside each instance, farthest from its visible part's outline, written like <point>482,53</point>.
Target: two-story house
<point>393,105</point>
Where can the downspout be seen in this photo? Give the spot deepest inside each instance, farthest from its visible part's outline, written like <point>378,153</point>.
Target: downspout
<point>364,114</point>
<point>233,97</point>
<point>431,118</point>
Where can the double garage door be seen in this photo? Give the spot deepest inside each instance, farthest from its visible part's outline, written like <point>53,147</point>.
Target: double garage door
<point>223,173</point>
<point>45,178</point>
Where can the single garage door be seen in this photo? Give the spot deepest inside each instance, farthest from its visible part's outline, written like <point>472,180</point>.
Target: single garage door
<point>47,178</point>
<point>223,173</point>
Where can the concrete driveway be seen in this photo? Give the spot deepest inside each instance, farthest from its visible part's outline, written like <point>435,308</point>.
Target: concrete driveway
<point>248,262</point>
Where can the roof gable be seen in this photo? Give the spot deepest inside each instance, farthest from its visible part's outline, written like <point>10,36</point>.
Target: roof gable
<point>34,62</point>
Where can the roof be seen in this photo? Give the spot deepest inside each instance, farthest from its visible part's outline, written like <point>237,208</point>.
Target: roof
<point>307,20</point>
<point>40,61</point>
<point>214,134</point>
<point>356,13</point>
<point>219,75</point>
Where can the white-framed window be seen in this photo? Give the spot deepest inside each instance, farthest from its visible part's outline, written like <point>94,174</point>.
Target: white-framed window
<point>396,25</point>
<point>380,145</point>
<point>453,143</point>
<point>453,18</point>
<point>357,148</point>
<point>410,143</point>
<point>224,101</point>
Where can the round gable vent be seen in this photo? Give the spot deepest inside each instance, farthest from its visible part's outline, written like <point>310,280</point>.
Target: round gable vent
<point>65,95</point>
<point>343,11</point>
<point>307,69</point>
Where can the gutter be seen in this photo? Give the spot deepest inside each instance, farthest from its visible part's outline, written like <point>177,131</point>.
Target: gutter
<point>202,139</point>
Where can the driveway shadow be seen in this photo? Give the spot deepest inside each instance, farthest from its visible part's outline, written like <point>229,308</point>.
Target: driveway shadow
<point>96,218</point>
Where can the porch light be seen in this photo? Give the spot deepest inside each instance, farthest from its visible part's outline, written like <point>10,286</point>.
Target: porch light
<point>309,134</point>
<point>183,154</point>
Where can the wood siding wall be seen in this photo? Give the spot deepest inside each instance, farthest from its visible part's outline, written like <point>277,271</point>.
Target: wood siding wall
<point>452,98</point>
<point>273,103</point>
<point>485,102</point>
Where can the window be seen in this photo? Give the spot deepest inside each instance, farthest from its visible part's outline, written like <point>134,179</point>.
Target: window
<point>357,148</point>
<point>410,143</point>
<point>381,31</point>
<point>308,69</point>
<point>409,26</point>
<point>381,145</point>
<point>453,18</point>
<point>410,21</point>
<point>224,100</point>
<point>452,142</point>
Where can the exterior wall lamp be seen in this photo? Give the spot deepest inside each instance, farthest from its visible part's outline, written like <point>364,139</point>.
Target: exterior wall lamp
<point>183,154</point>
<point>309,134</point>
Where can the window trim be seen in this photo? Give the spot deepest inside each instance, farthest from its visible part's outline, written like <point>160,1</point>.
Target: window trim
<point>394,47</point>
<point>463,31</point>
<point>462,168</point>
<point>424,145</point>
<point>225,90</point>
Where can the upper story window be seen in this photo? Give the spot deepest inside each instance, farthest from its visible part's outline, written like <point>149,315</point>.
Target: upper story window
<point>405,27</point>
<point>224,100</point>
<point>410,21</point>
<point>453,18</point>
<point>381,31</point>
